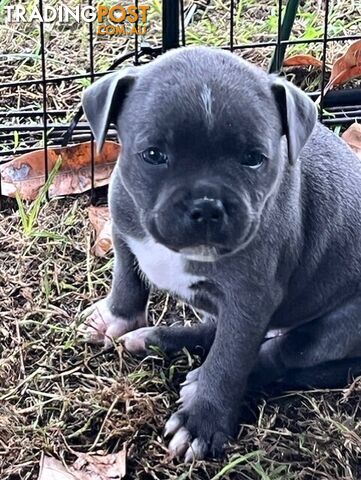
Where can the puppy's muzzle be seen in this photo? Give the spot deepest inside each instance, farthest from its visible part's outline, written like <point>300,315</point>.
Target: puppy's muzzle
<point>201,215</point>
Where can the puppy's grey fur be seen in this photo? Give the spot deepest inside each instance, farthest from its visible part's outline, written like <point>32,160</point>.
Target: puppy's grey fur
<point>255,249</point>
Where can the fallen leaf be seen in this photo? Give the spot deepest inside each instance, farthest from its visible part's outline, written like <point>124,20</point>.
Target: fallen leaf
<point>307,60</point>
<point>102,467</point>
<point>100,219</point>
<point>52,469</point>
<point>26,174</point>
<point>346,67</point>
<point>88,466</point>
<point>121,461</point>
<point>352,137</point>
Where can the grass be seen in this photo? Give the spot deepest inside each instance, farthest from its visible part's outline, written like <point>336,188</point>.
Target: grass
<point>60,396</point>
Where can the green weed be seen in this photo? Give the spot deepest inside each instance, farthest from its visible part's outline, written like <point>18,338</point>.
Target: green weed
<point>30,216</point>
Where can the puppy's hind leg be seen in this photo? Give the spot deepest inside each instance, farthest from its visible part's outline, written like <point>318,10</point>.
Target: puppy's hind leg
<point>170,340</point>
<point>322,353</point>
<point>334,374</point>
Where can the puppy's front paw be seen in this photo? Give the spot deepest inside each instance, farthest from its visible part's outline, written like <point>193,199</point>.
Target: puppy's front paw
<point>100,325</point>
<point>199,428</point>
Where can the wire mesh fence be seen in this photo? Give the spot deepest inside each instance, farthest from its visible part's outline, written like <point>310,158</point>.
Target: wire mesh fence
<point>27,125</point>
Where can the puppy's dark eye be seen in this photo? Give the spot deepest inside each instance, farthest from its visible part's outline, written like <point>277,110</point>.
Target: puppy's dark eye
<point>154,156</point>
<point>253,160</point>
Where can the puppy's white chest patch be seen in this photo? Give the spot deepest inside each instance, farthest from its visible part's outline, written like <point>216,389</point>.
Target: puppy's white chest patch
<point>162,267</point>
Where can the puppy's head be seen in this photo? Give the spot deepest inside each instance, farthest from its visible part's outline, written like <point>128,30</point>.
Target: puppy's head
<point>201,133</point>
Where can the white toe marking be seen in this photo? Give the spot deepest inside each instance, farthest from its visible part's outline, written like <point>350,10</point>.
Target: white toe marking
<point>134,341</point>
<point>188,391</point>
<point>196,451</point>
<point>192,376</point>
<point>180,442</point>
<point>187,394</point>
<point>173,424</point>
<point>100,325</point>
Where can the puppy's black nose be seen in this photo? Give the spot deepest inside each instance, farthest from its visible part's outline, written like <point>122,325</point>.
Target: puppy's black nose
<point>207,210</point>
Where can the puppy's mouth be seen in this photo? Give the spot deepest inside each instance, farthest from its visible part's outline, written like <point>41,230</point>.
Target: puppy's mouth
<point>208,253</point>
<point>204,253</point>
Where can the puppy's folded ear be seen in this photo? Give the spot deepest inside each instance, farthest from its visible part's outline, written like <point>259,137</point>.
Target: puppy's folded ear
<point>298,115</point>
<point>103,100</point>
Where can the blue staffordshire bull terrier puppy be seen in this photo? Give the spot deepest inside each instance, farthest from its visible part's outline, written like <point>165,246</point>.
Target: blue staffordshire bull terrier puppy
<point>230,195</point>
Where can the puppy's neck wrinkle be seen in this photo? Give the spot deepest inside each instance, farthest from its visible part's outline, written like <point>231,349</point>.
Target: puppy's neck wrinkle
<point>285,191</point>
<point>124,211</point>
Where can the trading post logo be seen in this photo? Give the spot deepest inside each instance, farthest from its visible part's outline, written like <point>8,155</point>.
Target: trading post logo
<point>111,20</point>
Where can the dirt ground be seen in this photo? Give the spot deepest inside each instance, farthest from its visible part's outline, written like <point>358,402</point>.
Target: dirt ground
<point>59,396</point>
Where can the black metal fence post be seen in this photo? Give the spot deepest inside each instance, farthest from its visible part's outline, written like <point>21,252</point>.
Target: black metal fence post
<point>170,34</point>
<point>44,93</point>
